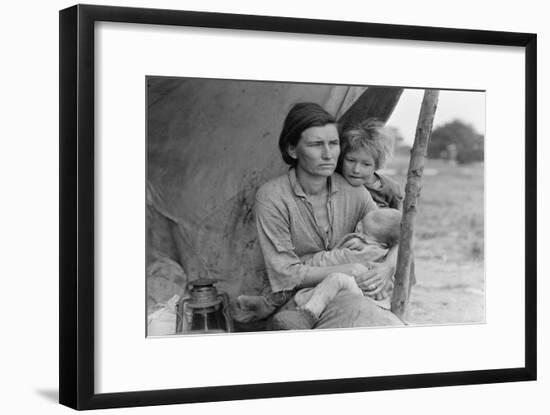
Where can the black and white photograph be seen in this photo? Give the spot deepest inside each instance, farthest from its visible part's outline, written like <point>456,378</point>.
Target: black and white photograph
<point>275,207</point>
<point>296,206</point>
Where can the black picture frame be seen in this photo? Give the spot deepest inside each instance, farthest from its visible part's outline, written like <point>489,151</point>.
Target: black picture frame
<point>77,175</point>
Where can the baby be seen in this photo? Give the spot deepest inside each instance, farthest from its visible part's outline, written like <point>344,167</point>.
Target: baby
<point>381,232</point>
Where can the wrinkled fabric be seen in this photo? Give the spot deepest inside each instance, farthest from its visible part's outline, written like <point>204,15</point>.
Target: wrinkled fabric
<point>165,278</point>
<point>371,252</point>
<point>248,308</point>
<point>388,194</point>
<point>349,309</point>
<point>346,310</point>
<point>210,145</point>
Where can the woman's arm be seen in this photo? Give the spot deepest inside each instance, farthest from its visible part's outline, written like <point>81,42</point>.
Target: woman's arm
<point>284,268</point>
<point>318,274</point>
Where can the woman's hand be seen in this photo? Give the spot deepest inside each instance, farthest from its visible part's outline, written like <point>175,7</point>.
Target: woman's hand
<point>373,282</point>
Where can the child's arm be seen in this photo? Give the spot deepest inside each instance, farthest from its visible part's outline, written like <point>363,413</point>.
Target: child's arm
<point>394,194</point>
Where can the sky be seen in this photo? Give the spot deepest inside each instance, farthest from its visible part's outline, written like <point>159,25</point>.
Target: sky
<point>467,106</point>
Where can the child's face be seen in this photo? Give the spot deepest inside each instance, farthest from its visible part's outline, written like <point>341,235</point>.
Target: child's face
<point>358,167</point>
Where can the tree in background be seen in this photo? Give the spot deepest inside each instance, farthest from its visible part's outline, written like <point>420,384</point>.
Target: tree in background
<point>456,141</point>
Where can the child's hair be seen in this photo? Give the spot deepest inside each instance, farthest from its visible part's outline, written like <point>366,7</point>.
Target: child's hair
<point>370,134</point>
<point>384,225</point>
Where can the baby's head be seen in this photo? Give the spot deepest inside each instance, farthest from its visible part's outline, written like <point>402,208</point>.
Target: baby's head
<point>365,148</point>
<point>383,225</point>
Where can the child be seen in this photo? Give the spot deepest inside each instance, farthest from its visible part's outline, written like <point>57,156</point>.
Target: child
<point>365,148</point>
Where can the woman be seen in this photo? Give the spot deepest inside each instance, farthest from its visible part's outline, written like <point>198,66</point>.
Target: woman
<point>307,211</point>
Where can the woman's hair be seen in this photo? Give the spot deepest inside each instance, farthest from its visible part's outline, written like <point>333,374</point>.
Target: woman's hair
<point>371,135</point>
<point>301,117</point>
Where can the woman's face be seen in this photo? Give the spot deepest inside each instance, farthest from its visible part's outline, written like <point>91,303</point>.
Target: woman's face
<point>358,167</point>
<point>317,150</point>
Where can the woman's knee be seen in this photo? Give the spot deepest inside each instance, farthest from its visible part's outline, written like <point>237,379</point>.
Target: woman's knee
<point>352,310</point>
<point>291,320</point>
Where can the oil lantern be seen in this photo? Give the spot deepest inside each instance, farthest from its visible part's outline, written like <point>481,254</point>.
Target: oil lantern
<point>204,310</point>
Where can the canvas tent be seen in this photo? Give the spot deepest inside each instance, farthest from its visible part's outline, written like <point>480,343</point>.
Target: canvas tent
<point>210,144</point>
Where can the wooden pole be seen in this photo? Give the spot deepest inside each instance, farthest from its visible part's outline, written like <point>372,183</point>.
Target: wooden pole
<point>401,290</point>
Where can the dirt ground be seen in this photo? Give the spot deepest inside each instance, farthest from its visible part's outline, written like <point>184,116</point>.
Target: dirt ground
<point>449,243</point>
